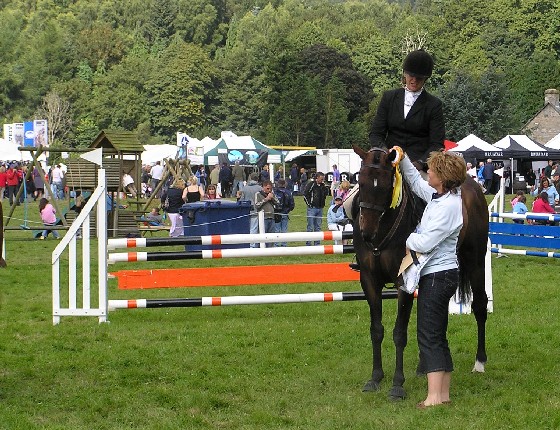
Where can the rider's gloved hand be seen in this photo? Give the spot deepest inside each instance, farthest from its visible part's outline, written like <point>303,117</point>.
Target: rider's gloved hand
<point>396,154</point>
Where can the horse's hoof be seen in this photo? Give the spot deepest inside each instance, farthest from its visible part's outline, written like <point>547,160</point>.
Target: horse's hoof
<point>371,385</point>
<point>397,393</point>
<point>478,367</point>
<point>3,262</point>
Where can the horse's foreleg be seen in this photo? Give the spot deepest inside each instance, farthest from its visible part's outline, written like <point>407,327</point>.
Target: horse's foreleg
<point>376,333</point>
<point>400,338</point>
<point>480,309</point>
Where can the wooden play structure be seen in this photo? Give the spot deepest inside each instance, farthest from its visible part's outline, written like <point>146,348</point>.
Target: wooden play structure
<point>122,153</point>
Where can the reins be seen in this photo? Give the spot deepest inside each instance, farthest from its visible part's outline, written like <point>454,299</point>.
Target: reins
<point>376,207</point>
<point>377,249</point>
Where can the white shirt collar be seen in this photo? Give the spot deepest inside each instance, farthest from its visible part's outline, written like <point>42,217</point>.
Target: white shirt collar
<point>409,99</point>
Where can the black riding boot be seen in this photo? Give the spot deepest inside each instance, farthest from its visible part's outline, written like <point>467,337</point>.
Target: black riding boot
<point>355,265</point>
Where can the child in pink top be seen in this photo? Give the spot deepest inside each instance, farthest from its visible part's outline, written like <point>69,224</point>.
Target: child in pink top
<point>516,198</point>
<point>48,216</point>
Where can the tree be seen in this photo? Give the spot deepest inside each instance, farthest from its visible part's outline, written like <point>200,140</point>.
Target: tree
<point>477,105</point>
<point>57,113</point>
<point>86,131</point>
<point>293,117</point>
<point>100,44</point>
<point>120,97</point>
<point>325,62</point>
<point>178,89</point>
<point>335,113</point>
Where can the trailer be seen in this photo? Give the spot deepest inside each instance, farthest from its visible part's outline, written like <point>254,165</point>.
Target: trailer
<point>347,160</point>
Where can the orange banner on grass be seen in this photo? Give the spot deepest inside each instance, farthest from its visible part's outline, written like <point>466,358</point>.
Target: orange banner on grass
<point>234,276</point>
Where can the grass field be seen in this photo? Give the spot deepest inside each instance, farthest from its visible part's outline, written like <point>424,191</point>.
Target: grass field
<point>293,366</point>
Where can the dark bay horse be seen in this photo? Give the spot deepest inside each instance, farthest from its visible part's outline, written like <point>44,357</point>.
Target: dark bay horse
<point>379,242</point>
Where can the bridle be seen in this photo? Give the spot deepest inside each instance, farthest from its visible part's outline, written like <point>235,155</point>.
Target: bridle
<point>382,209</point>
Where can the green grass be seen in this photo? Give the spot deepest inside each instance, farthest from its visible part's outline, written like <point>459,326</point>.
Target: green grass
<point>293,366</point>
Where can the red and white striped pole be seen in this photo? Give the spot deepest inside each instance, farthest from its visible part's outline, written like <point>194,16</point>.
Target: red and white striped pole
<point>228,239</point>
<point>230,253</point>
<point>246,300</point>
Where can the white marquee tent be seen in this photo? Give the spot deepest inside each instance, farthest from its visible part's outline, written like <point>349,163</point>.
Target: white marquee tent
<point>476,148</point>
<point>10,152</point>
<point>554,143</point>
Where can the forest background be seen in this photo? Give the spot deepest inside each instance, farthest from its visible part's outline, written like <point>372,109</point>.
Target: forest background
<point>287,72</point>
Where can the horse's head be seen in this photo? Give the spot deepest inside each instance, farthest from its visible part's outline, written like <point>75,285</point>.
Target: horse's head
<point>376,189</point>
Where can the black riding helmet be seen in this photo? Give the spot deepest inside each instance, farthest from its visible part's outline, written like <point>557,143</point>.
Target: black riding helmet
<point>418,64</point>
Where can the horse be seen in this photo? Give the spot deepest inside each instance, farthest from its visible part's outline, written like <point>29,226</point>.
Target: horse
<point>379,239</point>
<point>2,261</point>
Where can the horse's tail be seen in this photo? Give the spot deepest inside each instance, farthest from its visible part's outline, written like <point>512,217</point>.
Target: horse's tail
<point>465,290</point>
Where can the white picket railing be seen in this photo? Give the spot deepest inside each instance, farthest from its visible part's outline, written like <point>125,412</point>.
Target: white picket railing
<point>69,242</point>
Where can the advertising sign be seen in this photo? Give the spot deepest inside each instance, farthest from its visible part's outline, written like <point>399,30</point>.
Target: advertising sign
<point>41,135</point>
<point>18,134</point>
<point>28,134</point>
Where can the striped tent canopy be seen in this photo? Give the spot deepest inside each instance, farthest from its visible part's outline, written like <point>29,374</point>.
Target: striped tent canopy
<point>519,146</point>
<point>245,149</point>
<point>473,147</point>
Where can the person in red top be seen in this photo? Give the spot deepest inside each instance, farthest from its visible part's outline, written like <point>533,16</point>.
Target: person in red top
<point>3,179</point>
<point>12,182</point>
<point>541,205</point>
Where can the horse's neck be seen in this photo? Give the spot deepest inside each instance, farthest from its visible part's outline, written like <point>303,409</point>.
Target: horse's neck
<point>394,220</point>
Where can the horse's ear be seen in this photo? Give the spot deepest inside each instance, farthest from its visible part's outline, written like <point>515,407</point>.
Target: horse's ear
<point>359,151</point>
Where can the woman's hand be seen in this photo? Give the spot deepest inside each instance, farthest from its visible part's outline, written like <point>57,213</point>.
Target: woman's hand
<point>396,154</point>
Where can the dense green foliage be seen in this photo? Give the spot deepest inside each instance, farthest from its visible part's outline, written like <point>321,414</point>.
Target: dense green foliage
<point>305,72</point>
<point>278,367</point>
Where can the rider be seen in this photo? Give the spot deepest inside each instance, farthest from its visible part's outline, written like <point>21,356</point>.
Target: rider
<point>410,117</point>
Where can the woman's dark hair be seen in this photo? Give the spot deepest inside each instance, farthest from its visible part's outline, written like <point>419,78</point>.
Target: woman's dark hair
<point>544,196</point>
<point>541,185</point>
<point>42,204</point>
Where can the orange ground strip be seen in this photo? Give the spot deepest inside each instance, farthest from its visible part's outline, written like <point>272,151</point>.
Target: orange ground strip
<point>234,276</point>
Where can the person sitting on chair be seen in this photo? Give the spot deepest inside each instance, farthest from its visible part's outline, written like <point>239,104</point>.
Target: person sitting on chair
<point>48,216</point>
<point>337,219</point>
<point>541,205</point>
<point>154,218</point>
<point>520,208</point>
